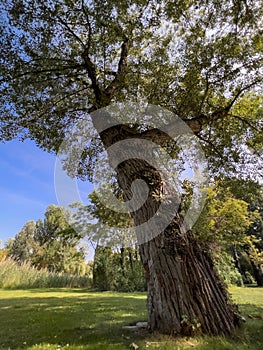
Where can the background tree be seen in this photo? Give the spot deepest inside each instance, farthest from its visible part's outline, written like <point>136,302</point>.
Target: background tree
<point>23,247</point>
<point>51,244</point>
<point>252,250</point>
<point>225,224</point>
<point>117,264</point>
<point>118,270</point>
<point>200,59</point>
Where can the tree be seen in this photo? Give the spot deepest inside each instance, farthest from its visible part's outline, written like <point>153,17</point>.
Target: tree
<point>58,242</point>
<point>3,251</point>
<point>116,260</point>
<point>200,59</point>
<point>51,244</point>
<point>250,246</point>
<point>225,218</point>
<point>224,224</point>
<point>254,246</point>
<point>23,246</point>
<point>118,270</point>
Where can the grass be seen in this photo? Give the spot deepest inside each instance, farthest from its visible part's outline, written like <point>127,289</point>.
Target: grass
<point>77,319</point>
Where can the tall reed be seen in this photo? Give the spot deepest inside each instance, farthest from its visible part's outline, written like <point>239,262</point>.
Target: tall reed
<point>25,276</point>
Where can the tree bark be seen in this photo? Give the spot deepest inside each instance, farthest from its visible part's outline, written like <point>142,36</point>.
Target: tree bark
<point>185,294</point>
<point>258,273</point>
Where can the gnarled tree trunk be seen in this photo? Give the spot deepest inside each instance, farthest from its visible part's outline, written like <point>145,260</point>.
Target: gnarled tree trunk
<point>185,294</point>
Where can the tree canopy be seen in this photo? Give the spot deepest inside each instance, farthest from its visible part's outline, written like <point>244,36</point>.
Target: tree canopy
<point>200,59</point>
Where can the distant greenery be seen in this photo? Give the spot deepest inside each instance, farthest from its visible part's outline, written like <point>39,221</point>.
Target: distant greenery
<point>51,244</point>
<point>76,319</point>
<point>14,276</point>
<point>118,271</point>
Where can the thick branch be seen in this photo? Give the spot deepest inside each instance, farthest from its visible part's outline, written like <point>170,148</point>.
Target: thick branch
<point>92,75</point>
<point>122,67</point>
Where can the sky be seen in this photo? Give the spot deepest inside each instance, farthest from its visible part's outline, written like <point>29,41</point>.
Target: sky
<point>26,185</point>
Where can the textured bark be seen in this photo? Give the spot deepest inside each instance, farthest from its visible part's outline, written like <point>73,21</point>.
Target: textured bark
<point>185,294</point>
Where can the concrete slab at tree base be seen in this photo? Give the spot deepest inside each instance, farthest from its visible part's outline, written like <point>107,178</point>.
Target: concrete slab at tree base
<point>137,326</point>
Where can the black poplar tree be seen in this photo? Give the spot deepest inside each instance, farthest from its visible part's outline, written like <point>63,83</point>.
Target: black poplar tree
<point>61,60</point>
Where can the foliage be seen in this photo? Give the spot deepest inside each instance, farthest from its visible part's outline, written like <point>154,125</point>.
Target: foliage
<point>225,218</point>
<point>227,225</point>
<point>225,266</point>
<point>23,247</point>
<point>3,252</point>
<point>51,244</point>
<point>202,60</point>
<point>70,319</point>
<point>117,264</point>
<point>120,271</point>
<point>102,225</point>
<point>24,276</point>
<point>249,254</point>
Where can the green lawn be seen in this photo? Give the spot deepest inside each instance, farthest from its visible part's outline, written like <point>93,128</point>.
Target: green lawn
<point>76,319</point>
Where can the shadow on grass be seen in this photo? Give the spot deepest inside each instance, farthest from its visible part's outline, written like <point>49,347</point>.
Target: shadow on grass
<point>80,319</point>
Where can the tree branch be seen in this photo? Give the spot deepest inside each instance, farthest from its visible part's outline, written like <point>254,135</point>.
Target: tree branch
<point>211,145</point>
<point>92,75</point>
<point>122,67</point>
<point>240,91</point>
<point>65,24</point>
<point>245,122</point>
<point>88,22</point>
<point>55,103</point>
<point>49,70</point>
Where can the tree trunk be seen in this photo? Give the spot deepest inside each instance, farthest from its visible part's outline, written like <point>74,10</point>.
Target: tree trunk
<point>130,253</point>
<point>122,258</point>
<point>185,294</point>
<point>258,273</point>
<point>237,260</point>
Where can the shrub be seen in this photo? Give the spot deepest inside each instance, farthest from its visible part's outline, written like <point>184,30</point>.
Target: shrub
<point>225,266</point>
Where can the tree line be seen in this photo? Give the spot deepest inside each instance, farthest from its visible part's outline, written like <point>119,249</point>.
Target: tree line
<point>231,225</point>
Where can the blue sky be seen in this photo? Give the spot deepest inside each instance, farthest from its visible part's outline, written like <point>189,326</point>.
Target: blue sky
<point>26,185</point>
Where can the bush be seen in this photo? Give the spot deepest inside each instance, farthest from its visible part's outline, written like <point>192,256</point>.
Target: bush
<point>226,269</point>
<point>15,276</point>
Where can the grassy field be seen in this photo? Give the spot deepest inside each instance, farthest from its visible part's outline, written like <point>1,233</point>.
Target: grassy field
<point>76,319</point>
